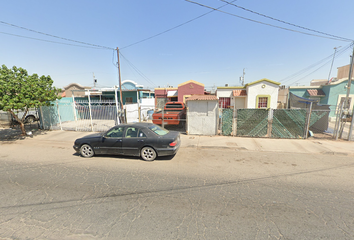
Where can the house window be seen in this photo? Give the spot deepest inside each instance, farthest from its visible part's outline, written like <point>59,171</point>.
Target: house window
<point>128,100</point>
<point>342,100</point>
<point>224,102</point>
<point>263,101</point>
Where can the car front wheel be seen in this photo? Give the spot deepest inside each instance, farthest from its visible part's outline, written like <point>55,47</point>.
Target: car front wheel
<point>86,151</point>
<point>148,154</point>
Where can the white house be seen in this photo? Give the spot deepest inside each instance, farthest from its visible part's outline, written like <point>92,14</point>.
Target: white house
<point>259,94</point>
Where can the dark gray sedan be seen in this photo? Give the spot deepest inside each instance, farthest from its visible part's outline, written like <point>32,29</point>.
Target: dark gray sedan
<point>138,139</point>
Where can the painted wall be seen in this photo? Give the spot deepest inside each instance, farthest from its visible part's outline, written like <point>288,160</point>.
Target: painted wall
<point>333,92</point>
<point>257,89</point>
<point>189,88</point>
<point>224,92</point>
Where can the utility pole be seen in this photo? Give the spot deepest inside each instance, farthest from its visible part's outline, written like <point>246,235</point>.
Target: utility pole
<point>120,86</point>
<point>348,92</point>
<point>346,105</point>
<point>330,70</point>
<point>94,80</point>
<point>242,79</point>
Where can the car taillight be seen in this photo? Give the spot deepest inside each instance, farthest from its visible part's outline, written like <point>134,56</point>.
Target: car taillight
<point>172,144</point>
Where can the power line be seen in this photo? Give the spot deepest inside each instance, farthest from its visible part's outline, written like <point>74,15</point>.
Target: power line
<point>313,65</point>
<point>308,68</point>
<point>267,24</point>
<point>50,35</point>
<point>275,19</point>
<point>43,40</point>
<point>180,25</point>
<point>138,71</point>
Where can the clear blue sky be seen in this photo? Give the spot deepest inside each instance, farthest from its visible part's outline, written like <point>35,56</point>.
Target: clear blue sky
<point>213,49</point>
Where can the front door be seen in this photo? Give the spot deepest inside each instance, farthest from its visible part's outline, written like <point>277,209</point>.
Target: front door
<point>112,141</point>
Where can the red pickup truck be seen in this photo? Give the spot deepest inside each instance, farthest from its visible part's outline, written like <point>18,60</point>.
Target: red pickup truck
<point>174,114</point>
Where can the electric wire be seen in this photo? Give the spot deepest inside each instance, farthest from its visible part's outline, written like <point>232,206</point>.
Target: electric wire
<point>267,24</point>
<point>338,53</point>
<point>327,62</point>
<point>43,40</point>
<point>137,70</point>
<point>50,35</point>
<point>294,25</point>
<point>180,25</point>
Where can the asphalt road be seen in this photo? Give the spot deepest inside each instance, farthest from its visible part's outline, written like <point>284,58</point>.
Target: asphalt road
<point>49,192</point>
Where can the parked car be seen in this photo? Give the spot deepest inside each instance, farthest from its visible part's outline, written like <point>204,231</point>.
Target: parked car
<point>174,113</point>
<point>146,140</point>
<point>31,116</point>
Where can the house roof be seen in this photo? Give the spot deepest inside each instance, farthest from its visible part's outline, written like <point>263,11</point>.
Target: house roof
<point>232,87</point>
<point>191,81</point>
<point>316,92</point>
<point>79,86</point>
<point>197,97</point>
<point>239,93</point>
<point>263,80</point>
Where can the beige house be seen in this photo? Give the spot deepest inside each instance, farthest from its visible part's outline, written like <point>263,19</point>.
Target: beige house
<point>79,90</point>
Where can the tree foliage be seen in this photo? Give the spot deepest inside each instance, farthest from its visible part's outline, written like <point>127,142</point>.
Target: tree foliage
<point>20,91</point>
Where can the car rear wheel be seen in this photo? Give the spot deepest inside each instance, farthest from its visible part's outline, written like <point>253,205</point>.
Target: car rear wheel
<point>29,119</point>
<point>148,154</point>
<point>86,151</point>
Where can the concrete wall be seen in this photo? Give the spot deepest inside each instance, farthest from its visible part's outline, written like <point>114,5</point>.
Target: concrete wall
<point>202,117</point>
<point>5,119</point>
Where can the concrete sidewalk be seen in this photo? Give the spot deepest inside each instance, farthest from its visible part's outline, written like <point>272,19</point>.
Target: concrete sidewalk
<point>311,146</point>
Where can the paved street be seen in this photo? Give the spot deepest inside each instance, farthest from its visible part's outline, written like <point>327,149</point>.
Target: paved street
<point>235,192</point>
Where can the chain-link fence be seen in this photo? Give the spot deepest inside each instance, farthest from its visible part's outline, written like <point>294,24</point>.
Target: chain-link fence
<point>273,123</point>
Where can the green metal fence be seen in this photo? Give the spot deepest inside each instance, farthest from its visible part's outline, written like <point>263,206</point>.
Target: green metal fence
<point>252,122</point>
<point>289,123</point>
<point>273,123</point>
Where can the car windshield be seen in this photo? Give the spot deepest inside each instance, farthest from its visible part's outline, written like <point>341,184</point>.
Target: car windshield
<point>158,130</point>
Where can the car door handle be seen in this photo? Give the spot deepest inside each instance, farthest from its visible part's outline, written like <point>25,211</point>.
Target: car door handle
<point>141,140</point>
<point>119,140</point>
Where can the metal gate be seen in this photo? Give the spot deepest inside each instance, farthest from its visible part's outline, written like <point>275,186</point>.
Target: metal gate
<point>288,123</point>
<point>252,122</point>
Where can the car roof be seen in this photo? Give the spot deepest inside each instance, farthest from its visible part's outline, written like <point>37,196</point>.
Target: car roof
<point>138,124</point>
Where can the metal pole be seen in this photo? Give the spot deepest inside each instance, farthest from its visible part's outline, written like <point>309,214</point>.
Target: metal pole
<point>116,99</point>
<point>138,101</point>
<point>346,106</point>
<point>120,85</point>
<point>74,110</point>
<point>330,70</point>
<point>351,126</point>
<point>90,110</point>
<point>61,128</point>
<point>339,121</point>
<point>308,122</point>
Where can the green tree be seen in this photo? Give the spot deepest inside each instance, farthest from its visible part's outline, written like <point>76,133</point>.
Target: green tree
<point>20,91</point>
